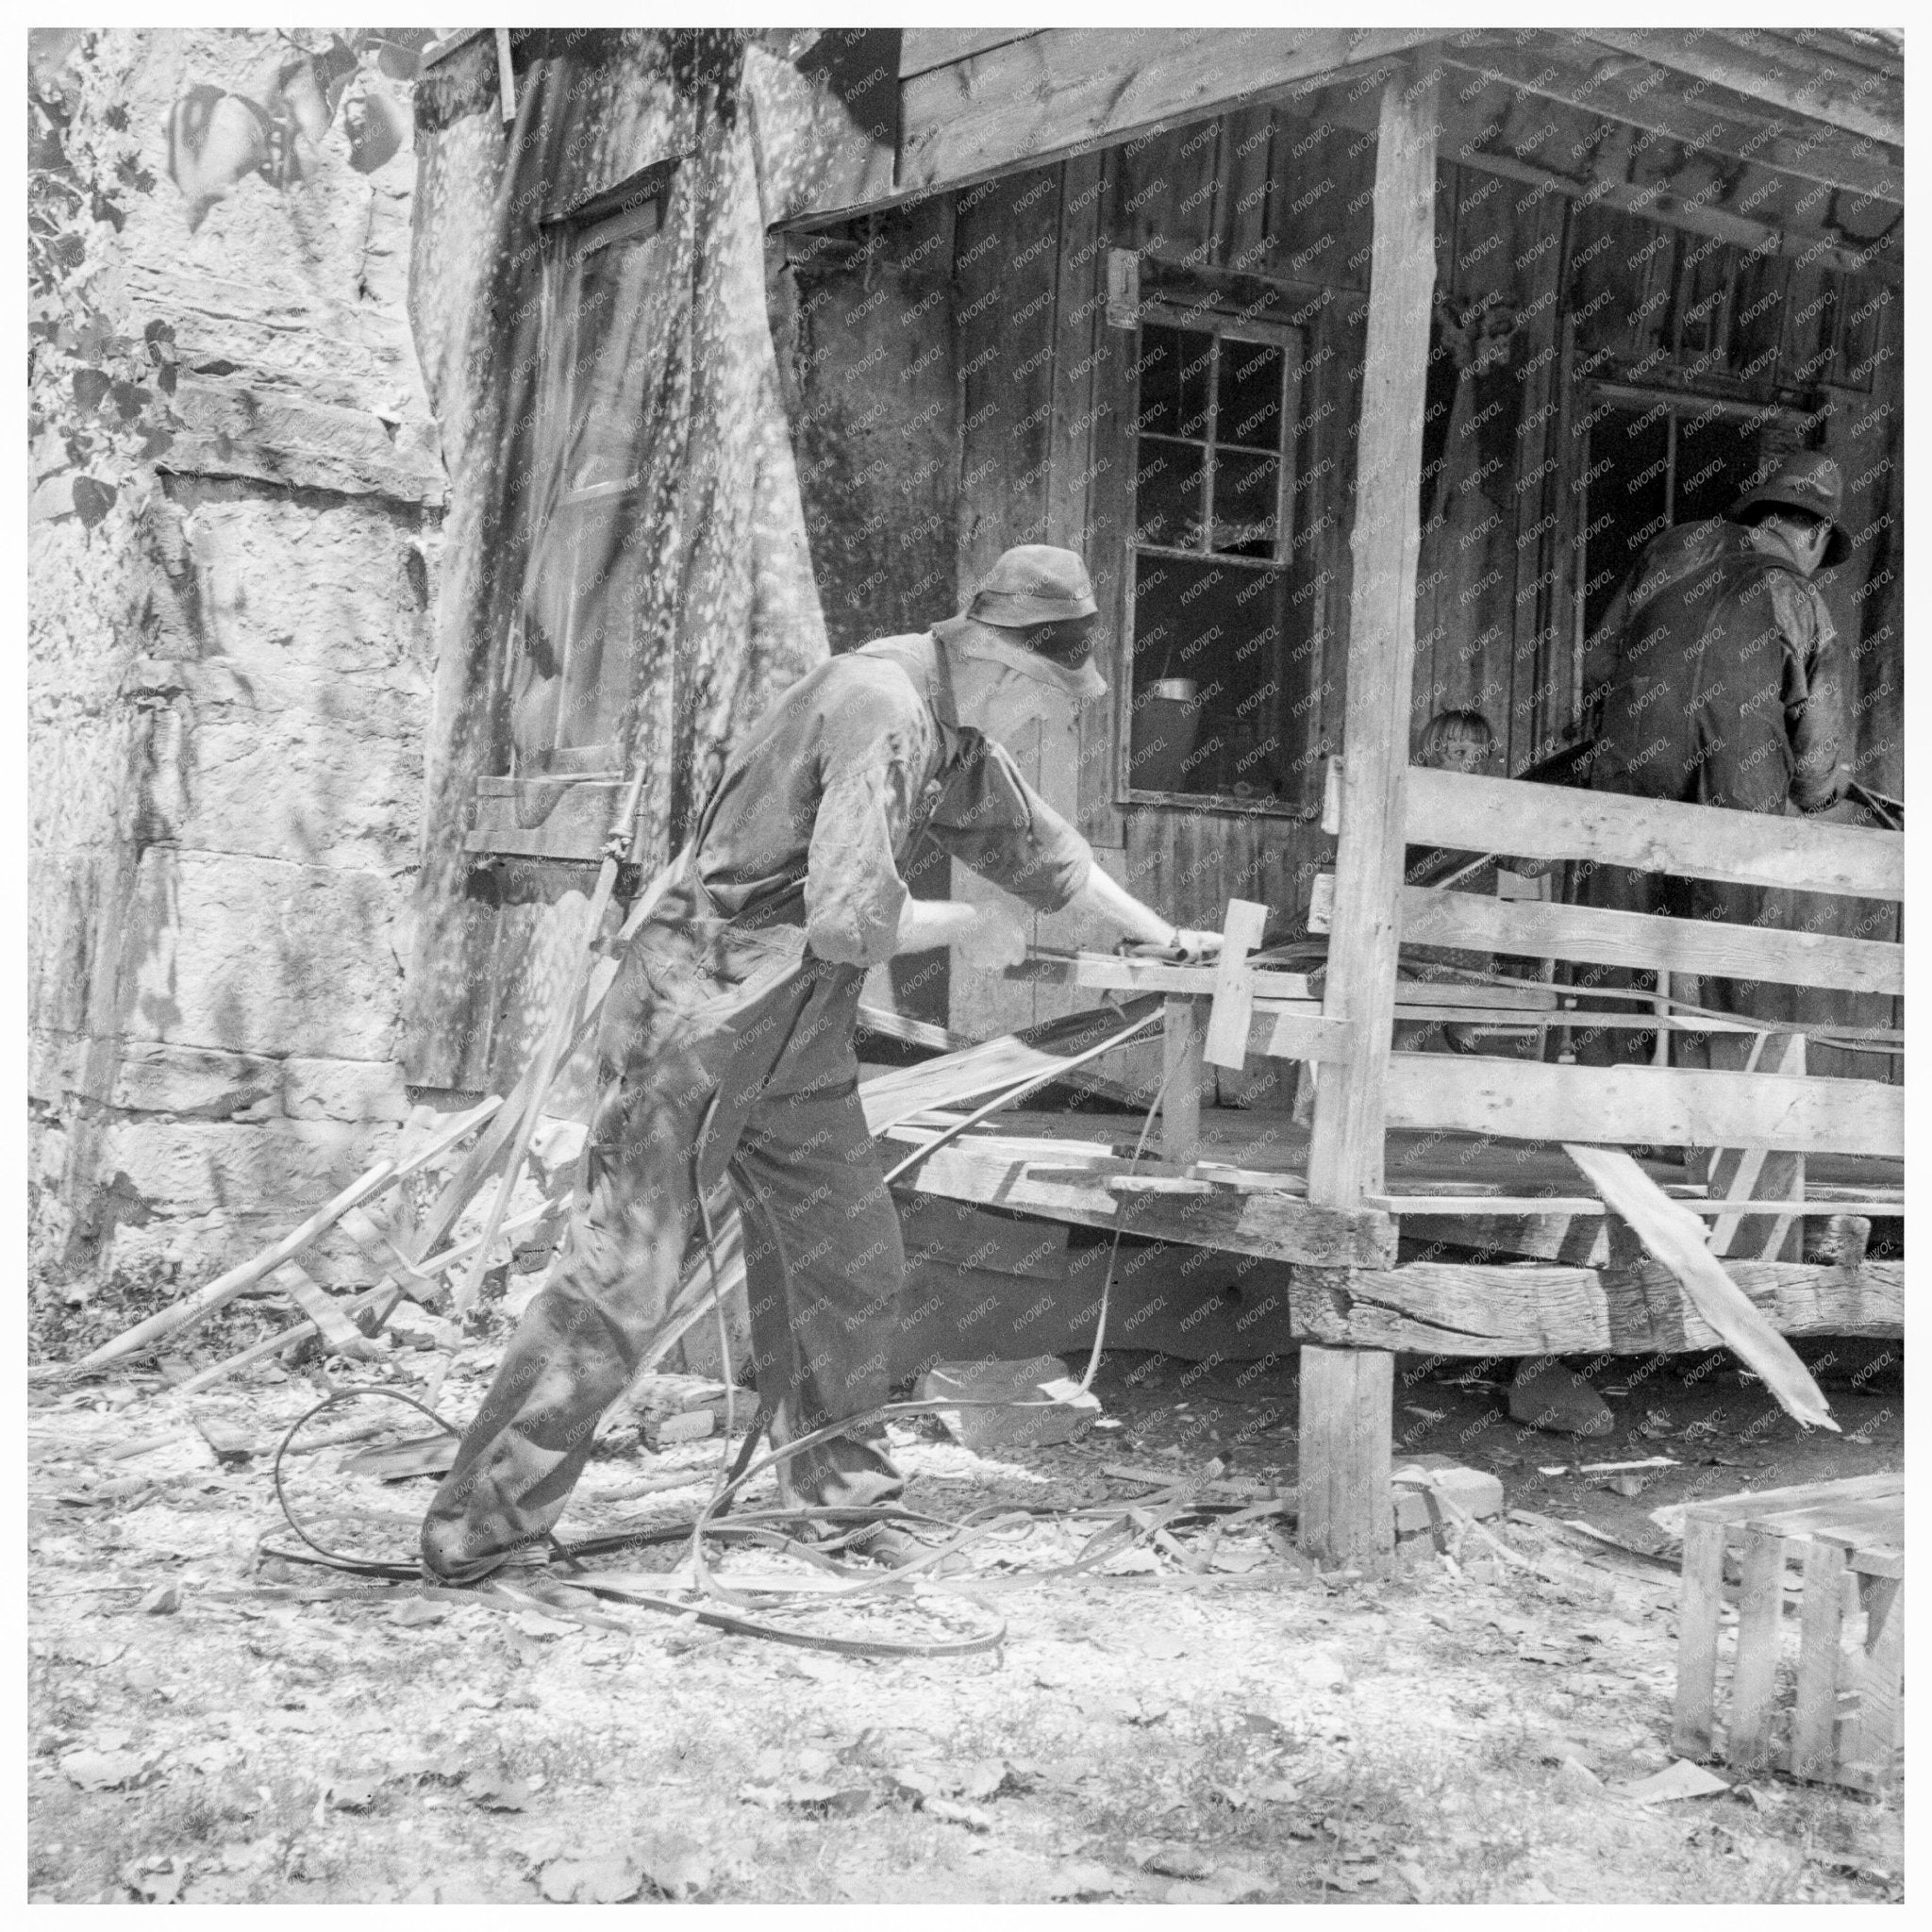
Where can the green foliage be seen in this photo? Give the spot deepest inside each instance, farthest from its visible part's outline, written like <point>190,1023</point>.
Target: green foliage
<point>99,401</point>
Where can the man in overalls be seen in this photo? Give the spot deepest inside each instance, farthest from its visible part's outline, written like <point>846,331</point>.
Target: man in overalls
<point>1719,686</point>
<point>727,1047</point>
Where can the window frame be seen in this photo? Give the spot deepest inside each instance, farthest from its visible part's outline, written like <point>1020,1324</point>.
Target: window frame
<point>1224,323</point>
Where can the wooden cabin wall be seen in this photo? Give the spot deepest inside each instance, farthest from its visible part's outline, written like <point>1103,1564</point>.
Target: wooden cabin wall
<point>1267,210</point>
<point>863,318</point>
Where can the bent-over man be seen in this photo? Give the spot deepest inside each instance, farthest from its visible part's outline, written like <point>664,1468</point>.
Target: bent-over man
<point>726,1048</point>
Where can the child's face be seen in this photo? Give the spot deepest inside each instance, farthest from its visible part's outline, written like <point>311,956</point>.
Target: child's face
<point>1462,755</point>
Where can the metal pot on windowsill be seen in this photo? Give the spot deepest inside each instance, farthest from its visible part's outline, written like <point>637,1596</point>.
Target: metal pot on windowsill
<point>1166,725</point>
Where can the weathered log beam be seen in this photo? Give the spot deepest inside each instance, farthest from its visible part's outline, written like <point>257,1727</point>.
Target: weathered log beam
<point>1447,1309</point>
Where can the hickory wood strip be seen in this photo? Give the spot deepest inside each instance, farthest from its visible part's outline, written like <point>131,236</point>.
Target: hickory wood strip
<point>1814,1710</point>
<point>1526,820</point>
<point>1545,929</point>
<point>1753,1680</point>
<point>1347,1147</point>
<point>1670,1107</point>
<point>1700,1609</point>
<point>1057,93</point>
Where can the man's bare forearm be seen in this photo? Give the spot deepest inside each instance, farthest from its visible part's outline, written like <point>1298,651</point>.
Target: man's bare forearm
<point>1104,897</point>
<point>925,923</point>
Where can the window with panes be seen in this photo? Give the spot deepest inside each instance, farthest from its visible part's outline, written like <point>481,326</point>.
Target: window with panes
<point>1218,705</point>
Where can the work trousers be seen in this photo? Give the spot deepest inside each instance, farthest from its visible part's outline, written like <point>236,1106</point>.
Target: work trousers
<point>723,1051</point>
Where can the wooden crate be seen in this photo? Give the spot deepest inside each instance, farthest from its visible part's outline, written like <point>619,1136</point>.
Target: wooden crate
<point>1846,1719</point>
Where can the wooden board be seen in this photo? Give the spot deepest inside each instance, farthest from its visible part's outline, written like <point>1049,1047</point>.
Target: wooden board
<point>922,48</point>
<point>1810,85</point>
<point>1064,91</point>
<point>1549,931</point>
<point>1666,1106</point>
<point>1345,1151</point>
<point>1814,1709</point>
<point>1465,812</point>
<point>1565,68</point>
<point>1754,1681</point>
<point>1278,1225</point>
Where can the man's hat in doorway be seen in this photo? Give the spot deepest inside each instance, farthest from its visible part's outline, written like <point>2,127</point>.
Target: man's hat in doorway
<point>1803,481</point>
<point>1034,583</point>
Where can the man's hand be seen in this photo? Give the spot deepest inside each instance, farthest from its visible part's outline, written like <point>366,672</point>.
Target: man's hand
<point>1182,944</point>
<point>994,939</point>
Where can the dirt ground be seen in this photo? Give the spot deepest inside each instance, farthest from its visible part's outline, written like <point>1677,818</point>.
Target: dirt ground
<point>1204,1718</point>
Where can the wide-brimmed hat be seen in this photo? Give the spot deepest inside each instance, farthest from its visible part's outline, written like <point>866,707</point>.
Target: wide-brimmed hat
<point>1034,583</point>
<point>1804,481</point>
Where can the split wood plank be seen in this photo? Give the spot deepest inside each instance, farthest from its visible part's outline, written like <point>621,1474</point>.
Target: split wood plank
<point>226,1288</point>
<point>1739,1172</point>
<point>1288,1034</point>
<point>1751,1505</point>
<point>1876,1732</point>
<point>1700,1617</point>
<point>329,1316</point>
<point>1517,820</point>
<point>1753,1678</point>
<point>1278,1224</point>
<point>1543,929</point>
<point>379,1302</point>
<point>1674,1236</point>
<point>1061,92</point>
<point>1233,984</point>
<point>1814,1709</point>
<point>1667,1107</point>
<point>1345,1150</point>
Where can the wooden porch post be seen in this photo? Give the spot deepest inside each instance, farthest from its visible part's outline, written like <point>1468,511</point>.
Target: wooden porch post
<point>1346,1396</point>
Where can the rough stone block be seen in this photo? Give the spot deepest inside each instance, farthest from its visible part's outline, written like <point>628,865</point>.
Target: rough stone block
<point>259,956</point>
<point>1475,1492</point>
<point>154,1077</point>
<point>289,785</point>
<point>343,1090</point>
<point>280,1168</point>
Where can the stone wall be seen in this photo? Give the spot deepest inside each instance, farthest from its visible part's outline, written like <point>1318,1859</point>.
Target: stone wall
<point>228,690</point>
